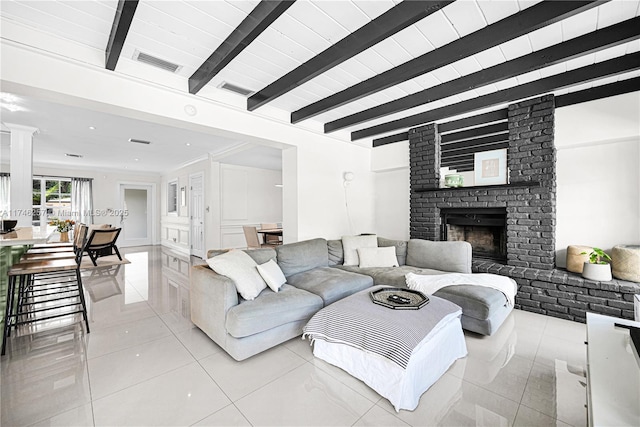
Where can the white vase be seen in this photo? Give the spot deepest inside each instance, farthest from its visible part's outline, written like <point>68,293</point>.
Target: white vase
<point>599,272</point>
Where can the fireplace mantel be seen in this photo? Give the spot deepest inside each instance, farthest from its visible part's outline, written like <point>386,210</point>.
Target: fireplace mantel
<point>525,184</point>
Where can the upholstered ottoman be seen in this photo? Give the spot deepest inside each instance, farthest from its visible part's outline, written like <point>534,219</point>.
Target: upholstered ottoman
<point>484,309</point>
<point>398,353</point>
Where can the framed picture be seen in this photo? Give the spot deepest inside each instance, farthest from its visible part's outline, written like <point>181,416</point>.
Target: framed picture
<point>490,167</point>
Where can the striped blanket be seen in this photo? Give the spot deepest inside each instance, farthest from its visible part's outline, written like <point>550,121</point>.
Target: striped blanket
<point>394,334</point>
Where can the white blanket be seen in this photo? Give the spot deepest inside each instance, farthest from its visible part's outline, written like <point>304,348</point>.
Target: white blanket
<point>429,284</point>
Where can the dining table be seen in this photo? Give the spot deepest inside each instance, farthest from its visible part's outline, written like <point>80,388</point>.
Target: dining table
<point>277,232</point>
<point>270,231</point>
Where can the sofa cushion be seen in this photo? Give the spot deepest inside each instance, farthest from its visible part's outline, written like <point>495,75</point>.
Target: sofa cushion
<point>378,257</point>
<point>401,248</point>
<point>260,256</point>
<point>446,256</point>
<point>330,283</point>
<point>391,276</point>
<point>272,275</point>
<point>336,255</point>
<point>270,310</point>
<point>302,256</point>
<point>351,244</point>
<point>241,269</point>
<point>478,302</point>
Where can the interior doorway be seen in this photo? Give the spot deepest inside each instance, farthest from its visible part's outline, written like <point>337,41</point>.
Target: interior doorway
<point>137,214</point>
<point>196,214</point>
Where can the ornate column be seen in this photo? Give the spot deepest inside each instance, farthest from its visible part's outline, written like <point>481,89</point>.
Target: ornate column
<point>21,170</point>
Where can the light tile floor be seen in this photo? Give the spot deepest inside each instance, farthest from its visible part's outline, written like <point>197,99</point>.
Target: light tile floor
<point>145,363</point>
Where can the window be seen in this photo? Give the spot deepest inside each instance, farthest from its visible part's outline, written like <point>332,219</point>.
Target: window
<point>51,198</point>
<point>172,197</point>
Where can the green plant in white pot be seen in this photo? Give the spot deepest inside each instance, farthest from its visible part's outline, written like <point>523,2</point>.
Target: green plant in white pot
<point>598,267</point>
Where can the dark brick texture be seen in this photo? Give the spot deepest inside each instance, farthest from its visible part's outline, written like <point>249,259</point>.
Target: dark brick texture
<point>530,201</point>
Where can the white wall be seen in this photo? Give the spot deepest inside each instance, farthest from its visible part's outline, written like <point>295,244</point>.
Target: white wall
<point>598,199</point>
<point>233,196</point>
<point>249,196</point>
<point>392,200</point>
<point>175,226</point>
<point>598,166</point>
<point>106,190</point>
<point>313,183</point>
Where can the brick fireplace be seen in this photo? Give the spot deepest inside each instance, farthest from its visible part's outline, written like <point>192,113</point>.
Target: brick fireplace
<point>529,204</point>
<point>484,228</point>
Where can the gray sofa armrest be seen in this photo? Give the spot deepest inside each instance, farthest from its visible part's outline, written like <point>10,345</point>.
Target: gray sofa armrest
<point>445,256</point>
<point>212,295</point>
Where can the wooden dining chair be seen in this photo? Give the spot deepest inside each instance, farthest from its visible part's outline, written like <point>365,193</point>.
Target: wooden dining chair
<point>270,238</point>
<point>251,236</point>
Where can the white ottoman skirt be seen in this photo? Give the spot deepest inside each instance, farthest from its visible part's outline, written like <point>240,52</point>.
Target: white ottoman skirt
<point>402,387</point>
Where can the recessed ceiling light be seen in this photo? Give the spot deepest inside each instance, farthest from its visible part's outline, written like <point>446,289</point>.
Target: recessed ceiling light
<point>92,127</point>
<point>137,160</point>
<point>187,144</point>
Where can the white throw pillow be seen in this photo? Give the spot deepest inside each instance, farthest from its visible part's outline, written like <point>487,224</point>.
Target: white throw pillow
<point>351,244</point>
<point>272,274</point>
<point>241,268</point>
<point>378,257</point>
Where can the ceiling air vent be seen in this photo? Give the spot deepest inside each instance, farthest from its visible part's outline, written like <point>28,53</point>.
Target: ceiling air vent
<point>139,141</point>
<point>156,62</point>
<point>79,156</point>
<point>234,88</point>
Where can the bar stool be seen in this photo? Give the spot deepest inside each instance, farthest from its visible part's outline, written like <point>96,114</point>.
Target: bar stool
<point>43,289</point>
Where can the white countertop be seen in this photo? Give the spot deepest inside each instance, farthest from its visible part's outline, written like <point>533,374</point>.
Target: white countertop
<point>26,236</point>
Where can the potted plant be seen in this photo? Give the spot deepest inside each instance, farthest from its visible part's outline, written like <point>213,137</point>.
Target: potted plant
<point>598,267</point>
<point>63,226</point>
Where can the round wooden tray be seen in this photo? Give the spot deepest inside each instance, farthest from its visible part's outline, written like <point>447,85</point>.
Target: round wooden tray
<point>416,299</point>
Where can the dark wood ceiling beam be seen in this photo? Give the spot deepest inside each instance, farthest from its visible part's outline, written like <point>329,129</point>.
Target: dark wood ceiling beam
<point>518,24</point>
<point>475,149</point>
<point>599,92</point>
<point>491,116</point>
<point>593,42</point>
<point>483,141</point>
<point>586,74</point>
<point>475,132</point>
<point>263,15</point>
<point>464,167</point>
<point>461,162</point>
<point>395,19</point>
<point>119,30</point>
<point>403,136</point>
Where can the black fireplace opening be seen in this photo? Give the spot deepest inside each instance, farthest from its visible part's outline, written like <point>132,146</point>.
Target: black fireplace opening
<point>484,228</point>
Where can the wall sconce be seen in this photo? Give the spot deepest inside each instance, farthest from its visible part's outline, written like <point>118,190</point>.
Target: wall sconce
<point>348,177</point>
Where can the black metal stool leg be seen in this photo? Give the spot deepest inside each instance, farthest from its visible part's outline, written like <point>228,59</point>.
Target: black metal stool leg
<point>81,294</point>
<point>7,312</point>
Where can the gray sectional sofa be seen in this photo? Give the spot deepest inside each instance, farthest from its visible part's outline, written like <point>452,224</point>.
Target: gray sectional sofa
<point>316,277</point>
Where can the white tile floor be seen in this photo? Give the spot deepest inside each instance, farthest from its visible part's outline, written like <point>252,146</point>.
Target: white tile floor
<point>144,363</point>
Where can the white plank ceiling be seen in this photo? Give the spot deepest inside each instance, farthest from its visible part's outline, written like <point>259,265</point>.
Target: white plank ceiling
<point>187,32</point>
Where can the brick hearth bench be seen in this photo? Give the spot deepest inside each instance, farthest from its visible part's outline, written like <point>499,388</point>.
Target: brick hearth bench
<point>563,294</point>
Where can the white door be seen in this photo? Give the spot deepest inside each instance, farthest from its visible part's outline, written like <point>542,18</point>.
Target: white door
<point>136,220</point>
<point>196,213</point>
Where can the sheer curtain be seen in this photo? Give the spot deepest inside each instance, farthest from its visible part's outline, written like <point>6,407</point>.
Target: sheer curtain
<point>4,195</point>
<point>82,200</point>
